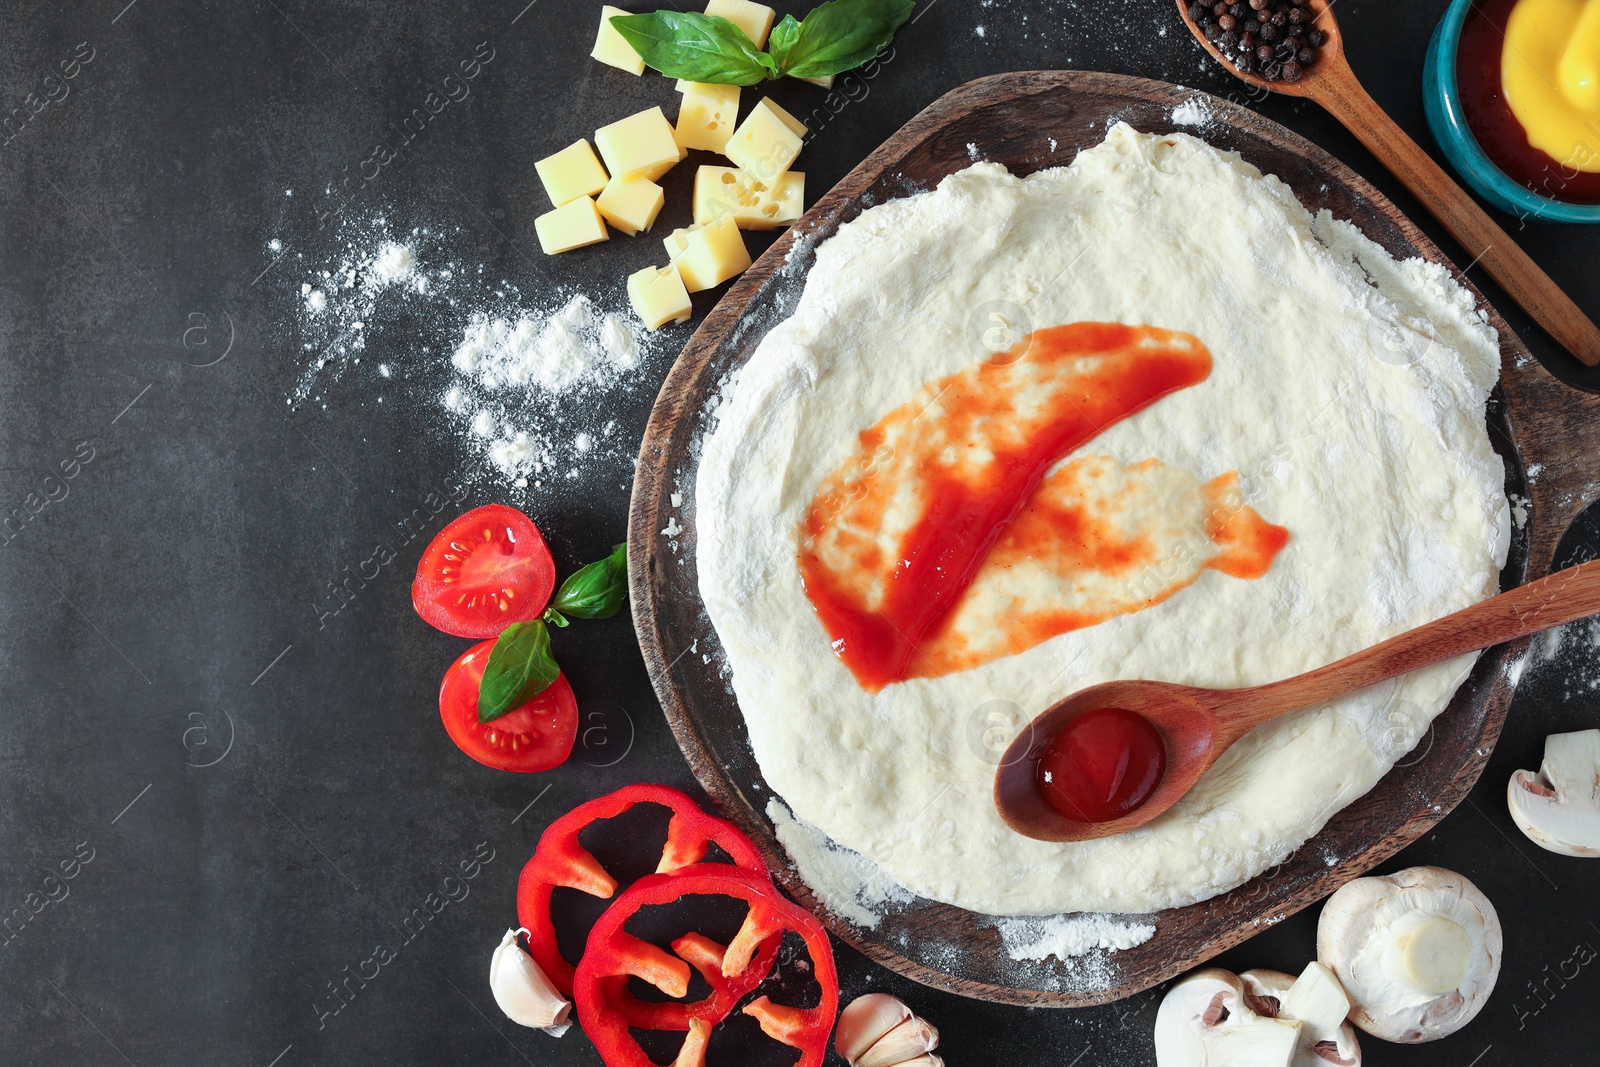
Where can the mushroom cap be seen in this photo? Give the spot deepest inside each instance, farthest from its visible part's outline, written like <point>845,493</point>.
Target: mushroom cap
<point>1558,808</point>
<point>1417,951</point>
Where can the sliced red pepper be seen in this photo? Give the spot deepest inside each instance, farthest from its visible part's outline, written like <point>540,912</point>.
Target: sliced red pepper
<point>613,955</point>
<point>560,860</point>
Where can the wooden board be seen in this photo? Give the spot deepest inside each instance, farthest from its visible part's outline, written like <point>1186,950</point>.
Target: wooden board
<point>1009,118</point>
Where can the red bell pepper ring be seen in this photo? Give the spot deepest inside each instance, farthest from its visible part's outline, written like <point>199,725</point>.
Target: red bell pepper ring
<point>559,860</point>
<point>613,955</point>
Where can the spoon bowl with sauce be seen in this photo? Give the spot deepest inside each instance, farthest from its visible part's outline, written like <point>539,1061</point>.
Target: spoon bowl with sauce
<point>1112,757</point>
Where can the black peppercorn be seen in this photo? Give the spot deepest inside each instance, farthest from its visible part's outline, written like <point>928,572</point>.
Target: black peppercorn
<point>1227,22</point>
<point>1291,71</point>
<point>1246,62</point>
<point>1264,54</point>
<point>1268,32</point>
<point>1316,38</point>
<point>1248,42</point>
<point>1305,57</point>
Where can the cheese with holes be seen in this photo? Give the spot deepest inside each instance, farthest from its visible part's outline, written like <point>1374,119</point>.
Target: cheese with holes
<point>708,253</point>
<point>570,226</point>
<point>641,144</point>
<point>631,204</point>
<point>754,205</point>
<point>658,296</point>
<point>754,19</point>
<point>766,142</point>
<point>611,48</point>
<point>707,116</point>
<point>571,173</point>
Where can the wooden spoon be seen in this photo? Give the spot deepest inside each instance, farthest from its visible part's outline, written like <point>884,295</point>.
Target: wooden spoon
<point>1198,725</point>
<point>1331,83</point>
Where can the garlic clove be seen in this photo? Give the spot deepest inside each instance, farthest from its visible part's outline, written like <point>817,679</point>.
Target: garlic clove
<point>927,1059</point>
<point>522,990</point>
<point>905,1042</point>
<point>867,1019</point>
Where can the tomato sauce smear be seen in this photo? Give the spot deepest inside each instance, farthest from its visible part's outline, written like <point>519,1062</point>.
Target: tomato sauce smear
<point>963,459</point>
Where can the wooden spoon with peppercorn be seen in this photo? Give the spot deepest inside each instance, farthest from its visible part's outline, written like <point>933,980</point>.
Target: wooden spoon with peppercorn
<point>1295,47</point>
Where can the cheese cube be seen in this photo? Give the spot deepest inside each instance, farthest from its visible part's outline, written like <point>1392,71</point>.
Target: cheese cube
<point>707,116</point>
<point>826,83</point>
<point>631,204</point>
<point>708,253</point>
<point>754,19</point>
<point>765,144</point>
<point>570,226</point>
<point>642,145</point>
<point>611,48</point>
<point>571,173</point>
<point>658,296</point>
<point>754,205</point>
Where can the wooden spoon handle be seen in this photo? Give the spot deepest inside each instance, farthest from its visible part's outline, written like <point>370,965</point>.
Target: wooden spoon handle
<point>1552,600</point>
<point>1471,226</point>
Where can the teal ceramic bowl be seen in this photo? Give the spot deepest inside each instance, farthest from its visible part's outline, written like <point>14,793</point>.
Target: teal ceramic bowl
<point>1441,96</point>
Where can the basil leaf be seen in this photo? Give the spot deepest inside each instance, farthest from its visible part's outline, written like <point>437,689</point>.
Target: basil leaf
<point>596,591</point>
<point>520,667</point>
<point>781,39</point>
<point>696,47</point>
<point>841,35</point>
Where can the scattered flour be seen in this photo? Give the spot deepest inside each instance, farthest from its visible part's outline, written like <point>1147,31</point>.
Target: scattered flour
<point>339,301</point>
<point>507,359</point>
<point>507,383</point>
<point>1572,652</point>
<point>1067,936</point>
<point>850,885</point>
<point>1193,112</point>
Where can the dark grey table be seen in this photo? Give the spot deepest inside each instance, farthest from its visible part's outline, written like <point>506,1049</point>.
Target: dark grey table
<point>251,795</point>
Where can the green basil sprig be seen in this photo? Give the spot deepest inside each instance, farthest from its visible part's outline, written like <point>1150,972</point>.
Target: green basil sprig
<point>700,48</point>
<point>596,591</point>
<point>521,665</point>
<point>835,37</point>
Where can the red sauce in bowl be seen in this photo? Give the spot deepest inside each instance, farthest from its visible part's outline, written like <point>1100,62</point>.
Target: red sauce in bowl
<point>1489,117</point>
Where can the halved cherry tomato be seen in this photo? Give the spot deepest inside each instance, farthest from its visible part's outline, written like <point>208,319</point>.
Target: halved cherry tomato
<point>486,570</point>
<point>534,737</point>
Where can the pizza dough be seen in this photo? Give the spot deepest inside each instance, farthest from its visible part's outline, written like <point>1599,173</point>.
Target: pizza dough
<point>1347,391</point>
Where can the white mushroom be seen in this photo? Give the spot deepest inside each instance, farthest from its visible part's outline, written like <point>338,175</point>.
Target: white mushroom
<point>522,990</point>
<point>1559,808</point>
<point>1206,1020</point>
<point>1417,951</point>
<point>1317,1001</point>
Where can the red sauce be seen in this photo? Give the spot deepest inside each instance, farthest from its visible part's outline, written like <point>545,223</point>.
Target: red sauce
<point>1101,765</point>
<point>1489,117</point>
<point>879,609</point>
<point>962,518</point>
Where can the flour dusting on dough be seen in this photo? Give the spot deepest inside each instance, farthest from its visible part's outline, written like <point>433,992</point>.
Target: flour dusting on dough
<point>851,886</point>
